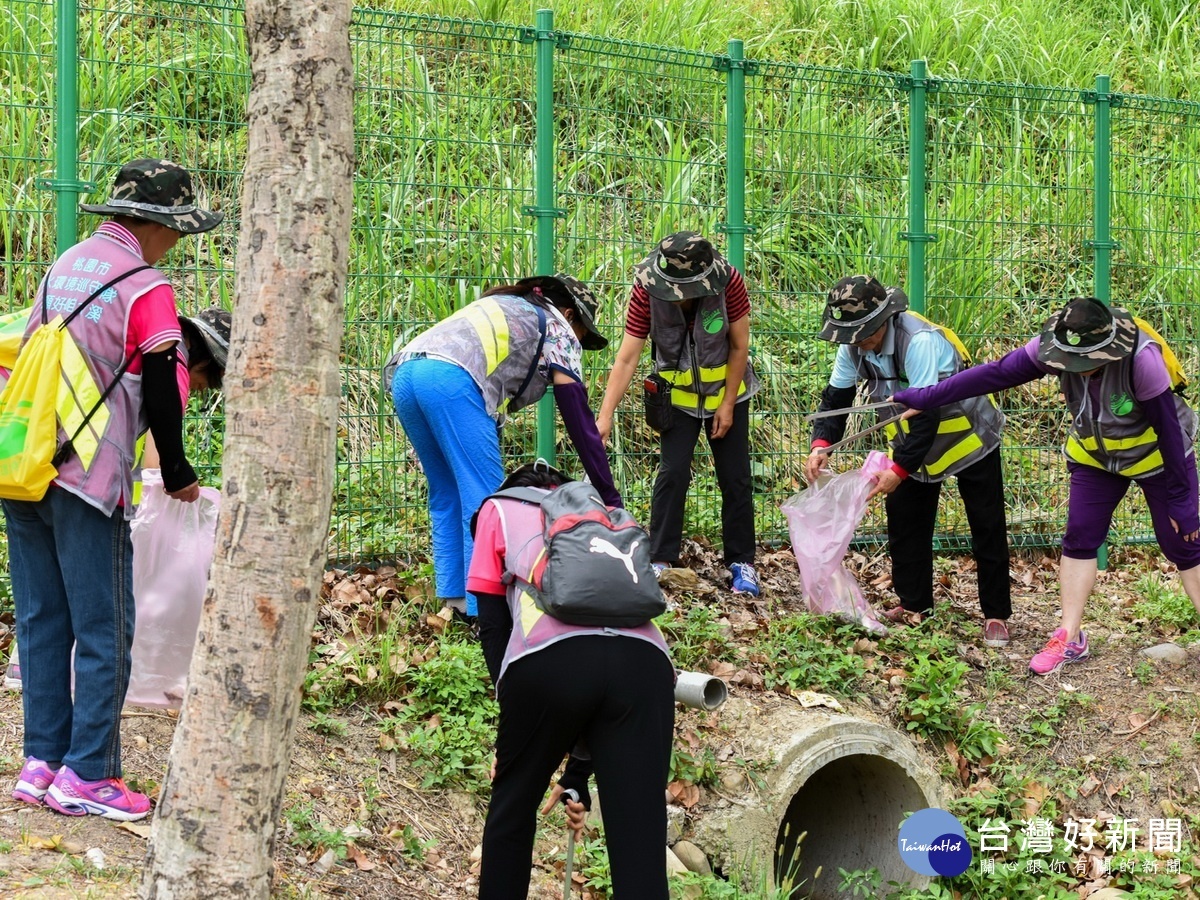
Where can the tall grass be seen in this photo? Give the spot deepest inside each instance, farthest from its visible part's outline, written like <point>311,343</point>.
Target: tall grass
<point>444,112</point>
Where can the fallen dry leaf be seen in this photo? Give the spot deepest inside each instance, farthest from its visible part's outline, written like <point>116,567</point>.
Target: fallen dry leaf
<point>360,858</point>
<point>684,794</point>
<point>1035,795</point>
<point>140,829</point>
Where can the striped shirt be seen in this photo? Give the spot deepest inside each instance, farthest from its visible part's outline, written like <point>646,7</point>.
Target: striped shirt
<point>637,319</point>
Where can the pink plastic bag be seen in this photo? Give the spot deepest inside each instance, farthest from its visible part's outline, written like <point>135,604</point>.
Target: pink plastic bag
<point>821,523</point>
<point>172,550</point>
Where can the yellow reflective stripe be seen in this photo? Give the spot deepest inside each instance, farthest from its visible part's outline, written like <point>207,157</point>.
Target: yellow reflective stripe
<point>677,377</point>
<point>891,432</point>
<point>1076,451</point>
<point>717,373</point>
<point>963,448</point>
<point>691,400</point>
<point>1146,437</point>
<point>487,318</point>
<point>683,377</point>
<point>952,426</point>
<point>77,395</point>
<point>530,614</point>
<point>139,453</point>
<point>1153,461</point>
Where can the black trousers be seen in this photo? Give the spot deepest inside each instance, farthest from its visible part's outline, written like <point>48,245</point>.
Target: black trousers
<point>731,459</point>
<point>617,695</point>
<point>911,516</point>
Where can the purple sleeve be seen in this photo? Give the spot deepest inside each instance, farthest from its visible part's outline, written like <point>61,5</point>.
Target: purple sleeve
<point>1010,370</point>
<point>1150,376</point>
<point>1164,418</point>
<point>572,402</point>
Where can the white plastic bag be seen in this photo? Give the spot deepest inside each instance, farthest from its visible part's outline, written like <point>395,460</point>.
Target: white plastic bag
<point>172,550</point>
<point>821,522</point>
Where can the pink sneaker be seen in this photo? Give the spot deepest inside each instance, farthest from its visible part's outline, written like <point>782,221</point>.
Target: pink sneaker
<point>1058,652</point>
<point>33,782</point>
<point>108,797</point>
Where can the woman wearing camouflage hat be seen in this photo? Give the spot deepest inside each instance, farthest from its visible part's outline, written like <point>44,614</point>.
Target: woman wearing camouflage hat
<point>454,384</point>
<point>884,345</point>
<point>66,589</point>
<point>1129,423</point>
<point>693,305</point>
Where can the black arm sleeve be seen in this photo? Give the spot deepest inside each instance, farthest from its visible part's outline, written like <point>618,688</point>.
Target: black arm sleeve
<point>495,626</point>
<point>832,428</point>
<point>910,451</point>
<point>575,777</point>
<point>160,398</point>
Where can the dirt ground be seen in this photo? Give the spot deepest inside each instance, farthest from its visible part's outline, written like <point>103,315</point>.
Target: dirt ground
<point>1132,750</point>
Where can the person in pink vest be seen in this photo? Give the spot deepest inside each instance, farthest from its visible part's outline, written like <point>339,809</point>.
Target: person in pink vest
<point>70,552</point>
<point>561,687</point>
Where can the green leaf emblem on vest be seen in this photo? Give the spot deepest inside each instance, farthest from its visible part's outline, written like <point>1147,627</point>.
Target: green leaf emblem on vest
<point>713,321</point>
<point>1120,404</point>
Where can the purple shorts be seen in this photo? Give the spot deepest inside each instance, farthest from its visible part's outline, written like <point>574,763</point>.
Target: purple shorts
<point>1094,496</point>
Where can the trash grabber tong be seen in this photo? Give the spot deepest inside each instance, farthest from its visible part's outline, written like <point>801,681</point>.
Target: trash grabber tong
<point>846,410</point>
<point>573,795</point>
<point>882,423</point>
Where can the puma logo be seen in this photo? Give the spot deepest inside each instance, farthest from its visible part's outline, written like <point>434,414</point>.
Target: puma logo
<point>599,545</point>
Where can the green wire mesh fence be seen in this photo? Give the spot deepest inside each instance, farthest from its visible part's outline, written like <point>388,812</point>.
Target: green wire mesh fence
<point>991,216</point>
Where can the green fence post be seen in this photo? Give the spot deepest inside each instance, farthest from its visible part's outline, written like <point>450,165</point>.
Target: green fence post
<point>66,184</point>
<point>544,209</point>
<point>1102,244</point>
<point>736,68</point>
<point>917,85</point>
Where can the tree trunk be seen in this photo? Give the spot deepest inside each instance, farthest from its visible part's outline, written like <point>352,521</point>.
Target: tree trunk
<point>214,830</point>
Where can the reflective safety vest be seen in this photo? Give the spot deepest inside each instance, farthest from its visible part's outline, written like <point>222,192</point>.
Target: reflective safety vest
<point>968,430</point>
<point>100,471</point>
<point>1116,436</point>
<point>533,630</point>
<point>496,339</point>
<point>695,362</point>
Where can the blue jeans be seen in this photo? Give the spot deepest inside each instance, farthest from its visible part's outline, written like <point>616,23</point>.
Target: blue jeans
<point>443,414</point>
<point>72,579</point>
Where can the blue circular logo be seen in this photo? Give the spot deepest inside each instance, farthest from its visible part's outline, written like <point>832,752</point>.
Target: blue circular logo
<point>933,842</point>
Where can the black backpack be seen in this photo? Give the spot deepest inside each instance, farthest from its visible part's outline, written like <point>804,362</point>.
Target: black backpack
<point>595,569</point>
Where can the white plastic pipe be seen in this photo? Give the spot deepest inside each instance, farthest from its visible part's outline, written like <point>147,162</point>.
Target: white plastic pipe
<point>700,691</point>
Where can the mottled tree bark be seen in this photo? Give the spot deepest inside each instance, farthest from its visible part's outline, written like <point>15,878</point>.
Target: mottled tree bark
<point>214,829</point>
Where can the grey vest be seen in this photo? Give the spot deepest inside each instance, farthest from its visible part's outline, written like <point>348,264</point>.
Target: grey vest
<point>969,429</point>
<point>1117,437</point>
<point>100,333</point>
<point>695,362</point>
<point>495,339</point>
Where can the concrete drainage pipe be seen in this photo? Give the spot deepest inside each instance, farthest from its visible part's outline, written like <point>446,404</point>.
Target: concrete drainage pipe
<point>846,781</point>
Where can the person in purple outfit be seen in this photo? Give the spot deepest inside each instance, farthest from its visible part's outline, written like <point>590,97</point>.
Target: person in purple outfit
<point>1129,423</point>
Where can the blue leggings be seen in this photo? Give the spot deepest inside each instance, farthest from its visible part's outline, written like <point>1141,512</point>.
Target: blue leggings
<point>443,414</point>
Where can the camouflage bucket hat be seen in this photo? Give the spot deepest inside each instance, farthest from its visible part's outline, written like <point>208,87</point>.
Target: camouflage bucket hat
<point>857,307</point>
<point>212,326</point>
<point>160,191</point>
<point>1085,334</point>
<point>682,267</point>
<point>565,290</point>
